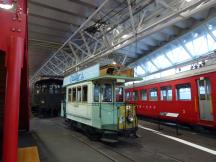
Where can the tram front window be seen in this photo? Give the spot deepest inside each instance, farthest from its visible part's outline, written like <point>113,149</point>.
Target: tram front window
<point>119,94</point>
<point>107,93</point>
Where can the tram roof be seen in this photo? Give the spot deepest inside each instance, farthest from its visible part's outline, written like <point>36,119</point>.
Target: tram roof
<point>122,79</point>
<point>113,77</point>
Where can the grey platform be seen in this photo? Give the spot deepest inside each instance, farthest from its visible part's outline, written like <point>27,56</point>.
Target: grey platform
<point>59,144</point>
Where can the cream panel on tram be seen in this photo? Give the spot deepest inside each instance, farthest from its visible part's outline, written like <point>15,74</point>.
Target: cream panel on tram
<point>78,102</point>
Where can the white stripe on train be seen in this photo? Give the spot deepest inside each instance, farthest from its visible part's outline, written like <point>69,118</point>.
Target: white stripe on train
<point>180,140</point>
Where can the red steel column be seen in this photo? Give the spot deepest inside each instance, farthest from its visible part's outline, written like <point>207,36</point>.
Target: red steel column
<point>12,99</point>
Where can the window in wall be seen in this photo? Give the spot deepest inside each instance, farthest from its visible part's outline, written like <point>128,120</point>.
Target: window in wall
<point>107,93</point>
<point>183,92</point>
<point>96,92</point>
<point>85,93</point>
<point>166,93</point>
<point>144,95</point>
<point>69,95</point>
<point>134,95</point>
<point>119,92</point>
<point>153,96</point>
<point>74,94</point>
<point>79,94</point>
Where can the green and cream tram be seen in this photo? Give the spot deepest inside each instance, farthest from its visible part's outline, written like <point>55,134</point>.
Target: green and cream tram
<point>95,100</point>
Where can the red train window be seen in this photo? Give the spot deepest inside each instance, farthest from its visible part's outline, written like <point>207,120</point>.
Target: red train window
<point>183,92</point>
<point>166,93</point>
<point>153,94</point>
<point>134,96</point>
<point>144,95</point>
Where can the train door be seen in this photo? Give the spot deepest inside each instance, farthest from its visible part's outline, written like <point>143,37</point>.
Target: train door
<point>205,99</point>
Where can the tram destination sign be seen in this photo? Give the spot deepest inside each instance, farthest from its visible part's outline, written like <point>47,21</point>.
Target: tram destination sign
<point>89,73</point>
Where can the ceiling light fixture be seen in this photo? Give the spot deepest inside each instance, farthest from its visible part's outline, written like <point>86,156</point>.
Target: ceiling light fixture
<point>125,36</point>
<point>6,6</point>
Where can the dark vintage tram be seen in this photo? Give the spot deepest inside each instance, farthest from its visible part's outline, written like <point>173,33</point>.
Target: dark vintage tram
<point>47,95</point>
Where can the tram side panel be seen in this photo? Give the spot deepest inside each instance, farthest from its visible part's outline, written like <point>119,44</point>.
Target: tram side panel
<point>75,109</point>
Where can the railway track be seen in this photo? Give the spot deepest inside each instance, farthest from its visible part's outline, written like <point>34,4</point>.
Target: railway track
<point>108,151</point>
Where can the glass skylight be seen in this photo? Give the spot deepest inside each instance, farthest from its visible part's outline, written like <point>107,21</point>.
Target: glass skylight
<point>161,61</point>
<point>198,42</point>
<point>139,71</point>
<point>177,54</point>
<point>150,67</point>
<point>212,26</point>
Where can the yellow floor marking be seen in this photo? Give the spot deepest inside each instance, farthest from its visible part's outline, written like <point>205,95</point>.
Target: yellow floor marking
<point>28,154</point>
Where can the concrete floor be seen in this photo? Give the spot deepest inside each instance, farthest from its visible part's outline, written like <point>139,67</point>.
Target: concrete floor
<point>58,143</point>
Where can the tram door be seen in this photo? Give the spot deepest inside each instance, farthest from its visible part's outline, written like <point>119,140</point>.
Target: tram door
<point>205,99</point>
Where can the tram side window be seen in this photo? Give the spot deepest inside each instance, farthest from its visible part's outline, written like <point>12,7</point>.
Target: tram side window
<point>107,93</point>
<point>135,96</point>
<point>166,93</point>
<point>85,93</point>
<point>79,94</point>
<point>57,89</point>
<point>119,94</point>
<point>144,95</point>
<point>69,95</point>
<point>127,96</point>
<point>183,92</point>
<point>44,88</point>
<point>74,94</point>
<point>153,95</point>
<point>38,89</point>
<point>51,89</point>
<point>96,92</point>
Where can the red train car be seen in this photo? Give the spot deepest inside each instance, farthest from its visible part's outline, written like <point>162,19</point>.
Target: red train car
<point>190,94</point>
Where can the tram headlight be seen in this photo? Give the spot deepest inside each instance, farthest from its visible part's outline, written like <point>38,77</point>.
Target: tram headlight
<point>130,118</point>
<point>128,107</point>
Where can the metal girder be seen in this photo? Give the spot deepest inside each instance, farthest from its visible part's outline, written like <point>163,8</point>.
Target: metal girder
<point>148,24</point>
<point>78,47</point>
<point>131,16</point>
